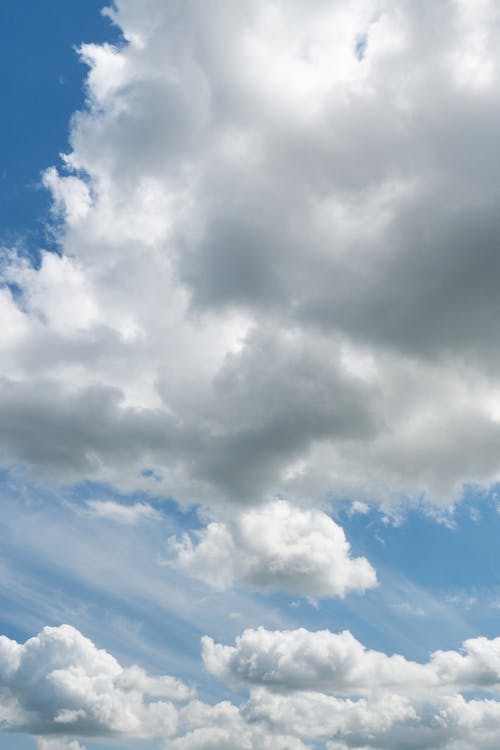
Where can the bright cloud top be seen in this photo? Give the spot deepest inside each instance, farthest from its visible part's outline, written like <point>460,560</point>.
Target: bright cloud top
<point>279,263</point>
<point>276,546</point>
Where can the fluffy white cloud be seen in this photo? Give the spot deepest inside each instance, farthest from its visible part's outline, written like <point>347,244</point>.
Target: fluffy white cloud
<point>389,722</point>
<point>279,258</point>
<point>223,727</point>
<point>59,682</point>
<point>305,660</point>
<point>305,688</point>
<point>338,663</point>
<point>277,546</point>
<point>328,688</point>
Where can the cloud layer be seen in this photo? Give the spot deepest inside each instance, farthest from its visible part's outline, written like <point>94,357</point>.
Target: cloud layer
<point>305,687</point>
<point>278,268</point>
<point>309,684</point>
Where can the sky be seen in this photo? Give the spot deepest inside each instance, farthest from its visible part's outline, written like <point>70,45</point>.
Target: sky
<point>250,413</point>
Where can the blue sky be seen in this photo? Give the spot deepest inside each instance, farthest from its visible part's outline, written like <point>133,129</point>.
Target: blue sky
<point>42,86</point>
<point>249,385</point>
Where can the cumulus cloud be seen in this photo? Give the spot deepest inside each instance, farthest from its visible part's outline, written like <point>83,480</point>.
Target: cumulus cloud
<point>338,663</point>
<point>305,660</point>
<point>276,546</point>
<point>305,689</point>
<point>223,727</point>
<point>328,688</point>
<point>389,722</point>
<point>58,682</point>
<point>278,265</point>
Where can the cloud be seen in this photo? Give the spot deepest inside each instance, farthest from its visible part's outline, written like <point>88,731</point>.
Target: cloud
<point>385,723</point>
<point>223,727</point>
<point>304,687</point>
<point>278,268</point>
<point>277,546</point>
<point>328,688</point>
<point>119,513</point>
<point>337,663</point>
<point>58,744</point>
<point>58,682</point>
<point>305,660</point>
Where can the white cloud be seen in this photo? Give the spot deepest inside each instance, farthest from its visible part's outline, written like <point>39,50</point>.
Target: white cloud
<point>222,727</point>
<point>279,264</point>
<point>338,663</point>
<point>305,687</point>
<point>305,660</point>
<point>59,682</point>
<point>120,513</point>
<point>329,688</point>
<point>277,546</point>
<point>58,744</point>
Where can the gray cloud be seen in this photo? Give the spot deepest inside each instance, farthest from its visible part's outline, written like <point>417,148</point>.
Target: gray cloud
<point>278,270</point>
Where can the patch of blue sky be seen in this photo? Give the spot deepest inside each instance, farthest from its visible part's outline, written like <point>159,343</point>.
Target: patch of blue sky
<point>56,567</point>
<point>439,582</point>
<point>113,582</point>
<point>41,87</point>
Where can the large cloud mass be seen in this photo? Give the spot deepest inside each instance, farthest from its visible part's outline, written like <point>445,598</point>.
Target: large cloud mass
<point>305,687</point>
<point>279,257</point>
<point>309,684</point>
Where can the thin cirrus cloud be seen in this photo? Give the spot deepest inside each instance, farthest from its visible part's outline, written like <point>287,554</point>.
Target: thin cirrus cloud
<point>278,260</point>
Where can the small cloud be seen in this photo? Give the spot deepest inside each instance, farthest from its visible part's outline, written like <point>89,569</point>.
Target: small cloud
<point>460,599</point>
<point>359,508</point>
<point>119,513</point>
